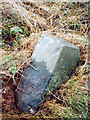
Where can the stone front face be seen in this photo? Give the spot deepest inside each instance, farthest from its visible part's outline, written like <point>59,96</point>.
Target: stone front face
<point>47,51</point>
<point>32,86</point>
<point>53,61</point>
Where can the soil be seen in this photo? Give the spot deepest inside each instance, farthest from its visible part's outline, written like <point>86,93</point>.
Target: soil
<point>8,98</point>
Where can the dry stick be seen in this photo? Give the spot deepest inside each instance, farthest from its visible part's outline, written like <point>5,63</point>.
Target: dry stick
<point>55,96</point>
<point>23,75</point>
<point>21,65</point>
<point>21,71</point>
<point>21,90</point>
<point>18,72</point>
<point>14,80</point>
<point>32,67</point>
<point>3,73</point>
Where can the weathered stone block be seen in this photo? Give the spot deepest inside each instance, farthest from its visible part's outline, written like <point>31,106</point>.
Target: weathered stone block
<point>53,61</point>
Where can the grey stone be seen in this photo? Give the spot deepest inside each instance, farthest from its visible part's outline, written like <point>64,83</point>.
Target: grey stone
<point>53,61</point>
<point>32,86</point>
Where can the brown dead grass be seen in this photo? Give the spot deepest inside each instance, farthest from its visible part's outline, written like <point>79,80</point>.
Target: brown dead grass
<point>59,103</point>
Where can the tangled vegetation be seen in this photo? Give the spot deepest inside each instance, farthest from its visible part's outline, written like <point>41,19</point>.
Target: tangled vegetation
<point>20,34</point>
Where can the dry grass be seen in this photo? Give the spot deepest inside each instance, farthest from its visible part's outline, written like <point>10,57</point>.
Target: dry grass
<point>63,20</point>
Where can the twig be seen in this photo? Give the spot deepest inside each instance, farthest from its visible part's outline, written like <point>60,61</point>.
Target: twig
<point>5,74</point>
<point>21,90</point>
<point>55,96</point>
<point>21,66</point>
<point>32,67</point>
<point>14,81</point>
<point>23,75</point>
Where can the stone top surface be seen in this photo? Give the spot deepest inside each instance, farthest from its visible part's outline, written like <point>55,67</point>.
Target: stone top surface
<point>48,49</point>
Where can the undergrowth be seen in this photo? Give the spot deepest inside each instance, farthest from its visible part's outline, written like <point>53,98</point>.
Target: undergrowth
<point>68,21</point>
<point>13,28</point>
